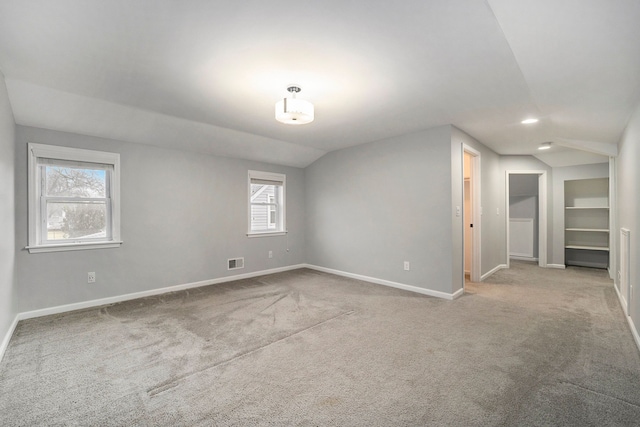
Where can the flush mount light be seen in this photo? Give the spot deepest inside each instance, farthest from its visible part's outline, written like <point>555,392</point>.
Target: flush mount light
<point>544,146</point>
<point>294,111</point>
<point>529,121</point>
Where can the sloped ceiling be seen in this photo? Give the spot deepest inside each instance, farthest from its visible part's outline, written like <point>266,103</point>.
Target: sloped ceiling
<point>205,75</point>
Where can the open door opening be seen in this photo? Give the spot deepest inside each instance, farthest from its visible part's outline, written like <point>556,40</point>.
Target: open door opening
<point>526,214</point>
<point>471,213</point>
<point>468,217</point>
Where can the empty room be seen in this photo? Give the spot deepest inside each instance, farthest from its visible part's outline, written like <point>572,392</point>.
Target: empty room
<point>350,213</point>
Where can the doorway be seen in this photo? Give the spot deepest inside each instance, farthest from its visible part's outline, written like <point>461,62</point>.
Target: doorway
<point>468,216</point>
<point>471,214</point>
<point>526,216</point>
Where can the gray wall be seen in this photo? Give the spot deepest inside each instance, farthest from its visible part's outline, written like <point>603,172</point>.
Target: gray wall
<point>373,206</point>
<point>560,175</point>
<point>183,215</point>
<point>8,281</point>
<point>628,196</point>
<point>492,228</point>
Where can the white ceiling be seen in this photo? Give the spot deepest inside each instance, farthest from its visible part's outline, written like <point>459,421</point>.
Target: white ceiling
<point>204,75</point>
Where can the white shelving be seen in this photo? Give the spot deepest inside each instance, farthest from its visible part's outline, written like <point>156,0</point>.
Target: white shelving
<point>587,222</point>
<point>587,248</point>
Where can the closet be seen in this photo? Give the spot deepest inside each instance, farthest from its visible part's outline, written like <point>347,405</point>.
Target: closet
<point>587,222</point>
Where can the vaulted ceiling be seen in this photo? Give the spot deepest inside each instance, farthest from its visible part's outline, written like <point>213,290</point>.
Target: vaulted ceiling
<point>204,75</point>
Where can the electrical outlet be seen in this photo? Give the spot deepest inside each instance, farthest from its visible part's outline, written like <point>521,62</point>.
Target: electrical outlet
<point>270,254</point>
<point>91,277</point>
<point>406,266</point>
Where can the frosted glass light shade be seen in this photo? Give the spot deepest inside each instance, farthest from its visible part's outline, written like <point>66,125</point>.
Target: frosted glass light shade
<point>294,111</point>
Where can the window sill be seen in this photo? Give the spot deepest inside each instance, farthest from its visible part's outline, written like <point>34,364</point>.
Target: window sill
<point>72,246</point>
<point>266,234</point>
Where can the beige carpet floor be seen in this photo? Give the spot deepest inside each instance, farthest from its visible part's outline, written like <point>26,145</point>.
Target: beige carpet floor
<point>528,347</point>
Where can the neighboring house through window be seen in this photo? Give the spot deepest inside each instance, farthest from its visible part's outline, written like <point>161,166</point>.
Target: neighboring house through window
<point>74,200</point>
<point>266,203</point>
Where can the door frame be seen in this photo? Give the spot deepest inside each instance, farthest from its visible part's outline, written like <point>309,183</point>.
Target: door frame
<point>542,213</point>
<point>476,247</point>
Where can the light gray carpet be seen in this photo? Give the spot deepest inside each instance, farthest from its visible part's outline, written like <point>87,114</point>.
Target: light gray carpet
<point>529,347</point>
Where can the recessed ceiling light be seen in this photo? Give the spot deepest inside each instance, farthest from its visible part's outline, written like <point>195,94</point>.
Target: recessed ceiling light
<point>529,121</point>
<point>545,146</point>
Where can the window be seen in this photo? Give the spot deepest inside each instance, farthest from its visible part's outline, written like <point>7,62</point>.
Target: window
<point>73,199</point>
<point>266,204</point>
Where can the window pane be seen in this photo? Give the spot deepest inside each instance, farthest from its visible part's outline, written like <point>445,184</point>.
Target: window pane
<point>272,216</point>
<point>264,206</point>
<point>64,181</point>
<point>261,193</point>
<point>83,220</point>
<point>260,220</point>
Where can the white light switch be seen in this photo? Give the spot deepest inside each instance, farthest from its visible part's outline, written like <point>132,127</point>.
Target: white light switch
<point>457,210</point>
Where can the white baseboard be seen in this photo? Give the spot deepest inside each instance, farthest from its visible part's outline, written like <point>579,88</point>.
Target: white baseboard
<point>493,270</point>
<point>523,258</point>
<point>634,331</point>
<point>127,297</point>
<point>7,337</point>
<point>424,291</point>
<point>632,326</point>
<point>559,266</point>
<point>623,303</point>
<point>458,293</point>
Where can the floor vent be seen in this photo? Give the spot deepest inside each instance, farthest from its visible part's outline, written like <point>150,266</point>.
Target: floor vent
<point>235,263</point>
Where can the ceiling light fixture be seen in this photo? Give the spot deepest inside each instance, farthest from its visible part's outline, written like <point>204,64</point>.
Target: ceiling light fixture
<point>544,146</point>
<point>294,111</point>
<point>529,121</point>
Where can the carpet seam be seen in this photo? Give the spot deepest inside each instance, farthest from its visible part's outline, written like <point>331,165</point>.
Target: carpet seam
<point>174,383</point>
<point>600,393</point>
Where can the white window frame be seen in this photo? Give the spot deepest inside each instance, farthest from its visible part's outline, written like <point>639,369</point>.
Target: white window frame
<point>281,226</point>
<point>37,222</point>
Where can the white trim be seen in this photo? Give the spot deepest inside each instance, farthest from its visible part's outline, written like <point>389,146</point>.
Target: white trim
<point>614,254</point>
<point>626,278</point>
<point>634,331</point>
<point>476,195</point>
<point>523,258</point>
<point>493,270</point>
<point>267,234</point>
<point>72,246</point>
<point>36,151</point>
<point>119,298</point>
<point>632,326</point>
<point>457,294</point>
<point>558,266</point>
<point>282,205</point>
<point>7,337</point>
<point>411,288</point>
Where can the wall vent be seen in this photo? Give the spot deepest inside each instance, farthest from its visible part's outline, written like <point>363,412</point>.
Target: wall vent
<point>235,263</point>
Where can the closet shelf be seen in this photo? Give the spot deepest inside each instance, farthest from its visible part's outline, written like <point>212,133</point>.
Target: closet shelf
<point>587,223</point>
<point>590,248</point>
